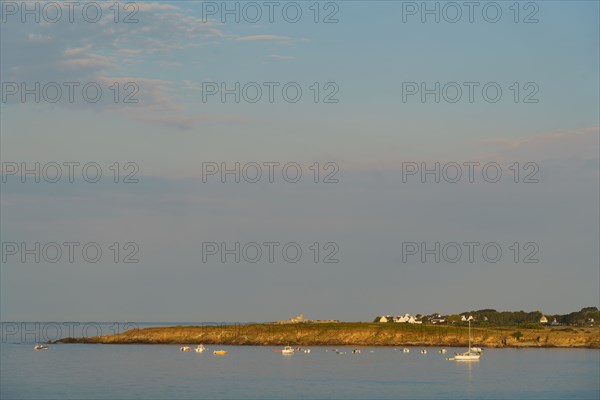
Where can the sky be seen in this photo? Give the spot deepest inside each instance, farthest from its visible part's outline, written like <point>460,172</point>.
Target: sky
<point>369,115</point>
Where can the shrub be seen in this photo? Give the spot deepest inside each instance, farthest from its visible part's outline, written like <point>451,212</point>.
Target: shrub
<point>517,335</point>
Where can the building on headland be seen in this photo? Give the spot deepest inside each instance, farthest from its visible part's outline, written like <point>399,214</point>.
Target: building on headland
<point>300,319</point>
<point>297,318</point>
<point>543,320</point>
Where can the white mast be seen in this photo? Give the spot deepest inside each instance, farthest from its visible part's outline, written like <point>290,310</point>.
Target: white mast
<point>469,334</point>
<point>469,319</point>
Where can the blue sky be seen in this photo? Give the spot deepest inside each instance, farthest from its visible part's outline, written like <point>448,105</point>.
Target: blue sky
<point>369,133</point>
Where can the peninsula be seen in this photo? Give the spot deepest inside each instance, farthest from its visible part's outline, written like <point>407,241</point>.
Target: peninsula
<point>355,334</point>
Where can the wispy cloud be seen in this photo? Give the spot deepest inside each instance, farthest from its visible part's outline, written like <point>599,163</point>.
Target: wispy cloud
<point>89,61</point>
<point>130,51</point>
<point>38,38</point>
<point>568,148</point>
<point>153,94</point>
<point>544,137</point>
<point>76,51</point>
<point>580,144</point>
<point>106,53</point>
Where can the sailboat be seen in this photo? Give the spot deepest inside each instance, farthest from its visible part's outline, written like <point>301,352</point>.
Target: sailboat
<point>469,355</point>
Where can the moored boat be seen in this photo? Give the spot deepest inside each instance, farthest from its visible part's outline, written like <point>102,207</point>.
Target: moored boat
<point>40,347</point>
<point>287,350</point>
<point>200,348</point>
<point>466,356</point>
<point>469,355</point>
<point>220,352</point>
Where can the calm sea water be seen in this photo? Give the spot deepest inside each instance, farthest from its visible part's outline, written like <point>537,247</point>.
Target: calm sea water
<point>80,371</point>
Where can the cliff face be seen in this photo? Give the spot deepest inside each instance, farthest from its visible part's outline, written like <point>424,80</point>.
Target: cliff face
<point>354,334</point>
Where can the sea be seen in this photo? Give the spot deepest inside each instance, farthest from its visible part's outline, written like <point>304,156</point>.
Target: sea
<point>95,371</point>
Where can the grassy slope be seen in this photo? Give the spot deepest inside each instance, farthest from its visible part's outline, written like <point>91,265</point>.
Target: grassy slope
<point>355,334</point>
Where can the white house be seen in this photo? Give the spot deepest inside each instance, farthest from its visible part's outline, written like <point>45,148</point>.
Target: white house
<point>543,320</point>
<point>383,318</point>
<point>407,319</point>
<point>403,319</point>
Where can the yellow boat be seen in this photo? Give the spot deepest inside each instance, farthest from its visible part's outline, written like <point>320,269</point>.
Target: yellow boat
<point>220,352</point>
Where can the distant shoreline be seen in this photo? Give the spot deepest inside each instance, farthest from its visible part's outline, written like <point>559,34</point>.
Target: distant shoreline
<point>354,334</point>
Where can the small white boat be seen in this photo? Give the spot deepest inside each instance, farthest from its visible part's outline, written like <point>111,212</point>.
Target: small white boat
<point>185,348</point>
<point>307,351</point>
<point>356,351</point>
<point>287,350</point>
<point>466,356</point>
<point>40,347</point>
<point>443,351</point>
<point>405,350</point>
<point>423,351</point>
<point>200,348</point>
